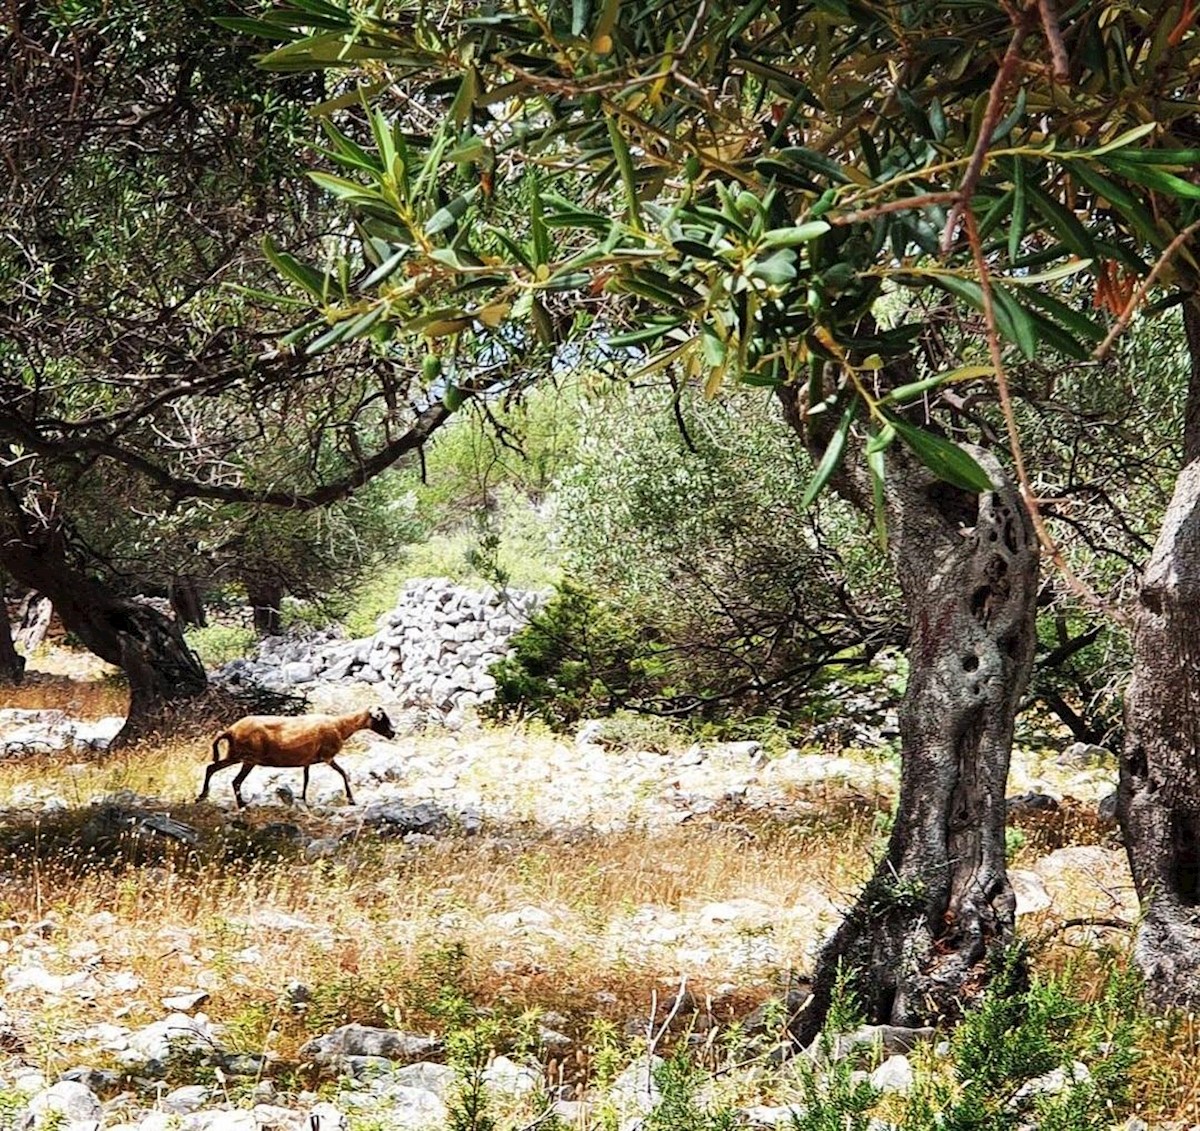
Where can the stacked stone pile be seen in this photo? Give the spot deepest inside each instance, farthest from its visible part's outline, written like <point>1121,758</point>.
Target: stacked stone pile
<point>432,651</point>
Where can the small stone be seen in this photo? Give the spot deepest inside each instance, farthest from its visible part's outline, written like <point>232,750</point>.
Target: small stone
<point>244,1064</point>
<point>94,1079</point>
<point>514,1079</point>
<point>298,673</point>
<point>894,1075</point>
<point>553,1041</point>
<point>185,1100</point>
<point>1030,891</point>
<point>1085,756</point>
<point>1053,1083</point>
<point>67,1101</point>
<point>890,1039</point>
<point>636,1086</point>
<point>436,1078</point>
<point>184,1001</point>
<point>362,1040</point>
<point>764,1115</point>
<point>326,1117</point>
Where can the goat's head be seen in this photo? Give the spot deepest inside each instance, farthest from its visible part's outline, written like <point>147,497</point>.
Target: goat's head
<point>380,723</point>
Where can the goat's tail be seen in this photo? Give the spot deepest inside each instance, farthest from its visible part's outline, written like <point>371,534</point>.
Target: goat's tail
<point>217,744</point>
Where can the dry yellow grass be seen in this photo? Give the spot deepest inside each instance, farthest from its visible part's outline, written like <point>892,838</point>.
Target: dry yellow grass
<point>516,918</point>
<point>519,919</point>
<point>91,698</point>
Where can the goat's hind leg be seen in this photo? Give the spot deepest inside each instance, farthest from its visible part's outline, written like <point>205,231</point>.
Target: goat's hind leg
<point>237,784</point>
<point>223,764</point>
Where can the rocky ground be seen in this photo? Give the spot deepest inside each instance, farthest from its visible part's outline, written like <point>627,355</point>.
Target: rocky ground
<point>474,782</point>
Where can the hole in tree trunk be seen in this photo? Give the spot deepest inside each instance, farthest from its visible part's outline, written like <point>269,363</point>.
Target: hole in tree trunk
<point>1185,855</point>
<point>981,602</point>
<point>956,506</point>
<point>1152,601</point>
<point>970,663</point>
<point>1138,766</point>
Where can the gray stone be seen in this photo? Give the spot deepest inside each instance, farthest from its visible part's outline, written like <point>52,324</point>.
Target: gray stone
<point>553,1041</point>
<point>1085,756</point>
<point>1053,1083</point>
<point>636,1086</point>
<point>98,735</point>
<point>1106,809</point>
<point>436,1078</point>
<point>185,1000</point>
<point>364,1041</point>
<point>339,669</point>
<point>504,1075</point>
<point>1031,803</point>
<point>156,1040</point>
<point>393,818</point>
<point>65,1102</point>
<point>326,1117</point>
<point>894,1075</point>
<point>94,1079</point>
<point>219,1120</point>
<point>590,732</point>
<point>774,1013</point>
<point>244,1064</point>
<point>322,848</point>
<point>890,1039</point>
<point>185,1100</point>
<point>1030,891</point>
<point>298,672</point>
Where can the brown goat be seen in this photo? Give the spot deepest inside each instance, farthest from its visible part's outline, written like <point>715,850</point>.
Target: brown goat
<point>280,740</point>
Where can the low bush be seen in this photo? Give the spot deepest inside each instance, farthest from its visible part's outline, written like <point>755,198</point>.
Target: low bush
<point>220,643</point>
<point>689,516</point>
<point>579,656</point>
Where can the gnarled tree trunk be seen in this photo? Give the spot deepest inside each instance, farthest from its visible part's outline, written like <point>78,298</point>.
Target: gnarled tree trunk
<point>917,941</point>
<point>149,647</point>
<point>187,601</point>
<point>33,621</point>
<point>1158,795</point>
<point>266,599</point>
<point>1158,798</point>
<point>12,663</point>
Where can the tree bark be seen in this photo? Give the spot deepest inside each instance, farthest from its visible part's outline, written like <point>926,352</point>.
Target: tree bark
<point>149,648</point>
<point>12,663</point>
<point>917,943</point>
<point>266,599</point>
<point>35,614</point>
<point>1158,796</point>
<point>187,601</point>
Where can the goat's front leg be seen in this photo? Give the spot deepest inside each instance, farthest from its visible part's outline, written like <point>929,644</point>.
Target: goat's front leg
<point>345,778</point>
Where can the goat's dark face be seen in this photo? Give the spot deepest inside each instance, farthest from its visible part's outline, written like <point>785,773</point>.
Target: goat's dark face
<point>381,724</point>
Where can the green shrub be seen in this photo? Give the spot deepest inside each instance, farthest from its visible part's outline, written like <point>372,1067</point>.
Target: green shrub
<point>219,643</point>
<point>578,656</point>
<point>689,516</point>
